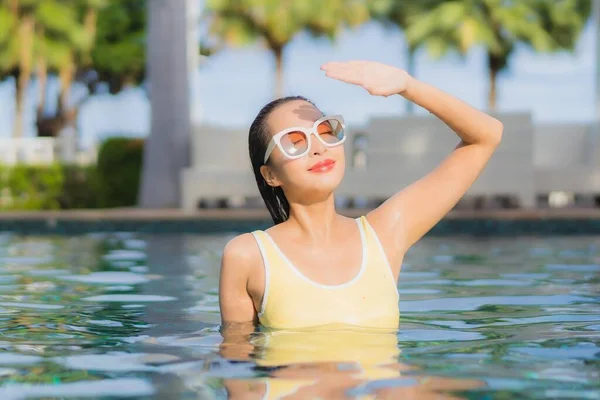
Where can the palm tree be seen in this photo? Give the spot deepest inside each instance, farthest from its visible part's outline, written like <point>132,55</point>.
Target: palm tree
<point>276,23</point>
<point>85,41</point>
<point>16,48</point>
<point>398,14</point>
<point>42,34</point>
<point>499,26</point>
<point>64,36</point>
<point>119,53</point>
<point>113,51</point>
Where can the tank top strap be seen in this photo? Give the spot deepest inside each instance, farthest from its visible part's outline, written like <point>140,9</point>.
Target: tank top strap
<point>269,251</point>
<point>378,258</point>
<point>262,241</point>
<point>272,262</point>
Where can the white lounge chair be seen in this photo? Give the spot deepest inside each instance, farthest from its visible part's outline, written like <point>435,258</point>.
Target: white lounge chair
<point>399,151</point>
<point>220,168</point>
<point>402,150</point>
<point>566,159</point>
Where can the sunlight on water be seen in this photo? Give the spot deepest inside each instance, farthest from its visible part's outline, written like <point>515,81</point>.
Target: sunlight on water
<point>124,315</point>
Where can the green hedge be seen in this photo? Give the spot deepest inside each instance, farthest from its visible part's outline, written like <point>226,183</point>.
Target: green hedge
<point>25,187</point>
<point>113,182</point>
<point>119,171</point>
<point>81,187</point>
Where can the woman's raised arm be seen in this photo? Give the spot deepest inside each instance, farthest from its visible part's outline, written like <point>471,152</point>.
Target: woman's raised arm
<point>415,209</point>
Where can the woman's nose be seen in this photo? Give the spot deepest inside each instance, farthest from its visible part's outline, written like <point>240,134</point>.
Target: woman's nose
<point>316,146</point>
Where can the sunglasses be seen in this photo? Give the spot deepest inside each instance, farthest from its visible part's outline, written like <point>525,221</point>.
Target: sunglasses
<point>295,142</point>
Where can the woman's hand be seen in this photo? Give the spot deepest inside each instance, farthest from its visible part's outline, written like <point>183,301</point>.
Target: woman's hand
<point>378,79</point>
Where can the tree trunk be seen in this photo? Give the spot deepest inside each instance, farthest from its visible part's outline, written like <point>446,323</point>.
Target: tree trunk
<point>492,94</point>
<point>51,126</point>
<point>410,68</point>
<point>495,64</point>
<point>167,149</point>
<point>65,75</point>
<point>18,124</point>
<point>278,53</point>
<point>42,75</point>
<point>89,25</point>
<point>596,19</point>
<point>25,60</point>
<point>14,7</point>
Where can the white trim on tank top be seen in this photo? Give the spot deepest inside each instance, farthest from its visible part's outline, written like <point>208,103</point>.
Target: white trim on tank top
<point>267,268</point>
<point>384,255</point>
<point>361,271</point>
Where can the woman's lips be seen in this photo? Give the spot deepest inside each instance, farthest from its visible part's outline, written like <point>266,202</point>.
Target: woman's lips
<point>323,166</point>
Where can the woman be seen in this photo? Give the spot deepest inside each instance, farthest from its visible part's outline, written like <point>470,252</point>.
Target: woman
<point>315,267</point>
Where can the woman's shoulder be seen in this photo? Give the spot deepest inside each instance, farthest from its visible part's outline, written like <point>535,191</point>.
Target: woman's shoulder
<point>241,248</point>
<point>242,254</point>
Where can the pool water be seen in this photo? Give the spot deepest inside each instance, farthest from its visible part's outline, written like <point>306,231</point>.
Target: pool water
<point>130,316</point>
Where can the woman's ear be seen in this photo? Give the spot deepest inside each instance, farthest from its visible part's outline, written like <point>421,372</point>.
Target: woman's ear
<point>269,176</point>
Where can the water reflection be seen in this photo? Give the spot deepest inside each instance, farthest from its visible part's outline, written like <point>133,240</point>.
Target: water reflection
<point>330,363</point>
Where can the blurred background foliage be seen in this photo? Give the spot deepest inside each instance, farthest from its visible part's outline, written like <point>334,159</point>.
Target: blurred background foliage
<point>85,42</point>
<point>112,182</point>
<point>99,46</point>
<point>440,26</point>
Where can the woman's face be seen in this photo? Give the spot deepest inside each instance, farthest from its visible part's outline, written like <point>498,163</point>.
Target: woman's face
<point>302,179</point>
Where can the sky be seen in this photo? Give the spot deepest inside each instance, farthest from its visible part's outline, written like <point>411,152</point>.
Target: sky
<point>231,86</point>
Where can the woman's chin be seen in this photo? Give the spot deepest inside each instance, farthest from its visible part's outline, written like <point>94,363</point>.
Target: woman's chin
<point>324,184</point>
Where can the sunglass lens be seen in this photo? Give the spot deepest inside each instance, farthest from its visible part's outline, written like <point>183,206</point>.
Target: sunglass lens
<point>294,143</point>
<point>331,131</point>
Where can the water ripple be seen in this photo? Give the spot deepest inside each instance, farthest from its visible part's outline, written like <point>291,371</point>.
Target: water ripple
<point>108,277</point>
<point>124,298</point>
<point>121,387</point>
<point>116,315</point>
<point>473,303</point>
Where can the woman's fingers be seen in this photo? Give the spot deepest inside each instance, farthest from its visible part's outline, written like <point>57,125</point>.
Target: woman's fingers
<point>346,72</point>
<point>335,64</point>
<point>378,79</point>
<point>331,64</point>
<point>346,76</point>
<point>358,63</point>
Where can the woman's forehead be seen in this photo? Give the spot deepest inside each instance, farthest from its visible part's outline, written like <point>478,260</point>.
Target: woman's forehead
<point>294,113</point>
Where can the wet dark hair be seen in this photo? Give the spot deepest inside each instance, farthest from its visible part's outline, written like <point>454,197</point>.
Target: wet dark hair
<point>258,141</point>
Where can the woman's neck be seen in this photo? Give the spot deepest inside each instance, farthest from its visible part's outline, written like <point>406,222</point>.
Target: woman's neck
<point>316,220</point>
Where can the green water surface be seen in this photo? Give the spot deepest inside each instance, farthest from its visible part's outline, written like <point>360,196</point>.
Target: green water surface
<point>122,315</point>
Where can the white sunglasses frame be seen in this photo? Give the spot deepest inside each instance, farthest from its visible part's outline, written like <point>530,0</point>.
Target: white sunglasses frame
<point>276,139</point>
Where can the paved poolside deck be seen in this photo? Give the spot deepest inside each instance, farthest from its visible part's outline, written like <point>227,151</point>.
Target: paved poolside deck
<point>128,214</point>
<point>211,221</point>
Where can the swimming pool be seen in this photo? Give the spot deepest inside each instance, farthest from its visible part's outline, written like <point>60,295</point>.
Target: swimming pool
<point>114,315</point>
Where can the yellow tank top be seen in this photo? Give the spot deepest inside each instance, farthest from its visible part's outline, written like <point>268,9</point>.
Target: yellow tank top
<point>292,301</point>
